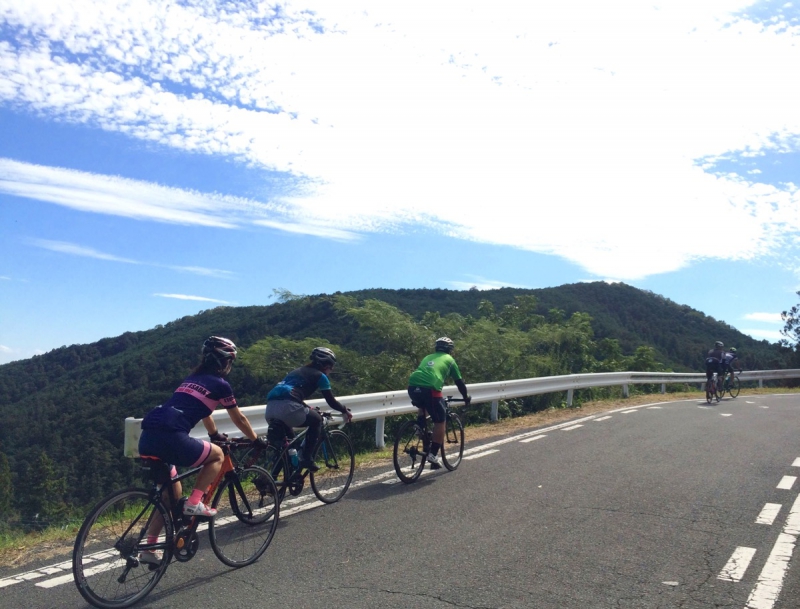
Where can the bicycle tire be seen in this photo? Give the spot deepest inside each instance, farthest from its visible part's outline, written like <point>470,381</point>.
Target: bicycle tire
<point>734,387</point>
<point>336,460</point>
<point>247,516</point>
<point>408,454</point>
<point>453,447</point>
<point>719,392</point>
<point>105,558</point>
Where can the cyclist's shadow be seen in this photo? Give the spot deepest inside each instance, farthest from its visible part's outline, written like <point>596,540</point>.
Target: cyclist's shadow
<point>388,489</point>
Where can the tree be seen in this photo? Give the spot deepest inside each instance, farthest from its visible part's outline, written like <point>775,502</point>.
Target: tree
<point>791,328</point>
<point>44,504</point>
<point>6,491</point>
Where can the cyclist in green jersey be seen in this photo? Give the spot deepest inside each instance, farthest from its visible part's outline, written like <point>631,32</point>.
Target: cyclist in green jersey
<point>425,389</point>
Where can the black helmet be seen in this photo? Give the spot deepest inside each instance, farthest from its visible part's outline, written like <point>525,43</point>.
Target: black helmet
<point>719,344</point>
<point>322,356</point>
<point>445,344</point>
<point>218,351</point>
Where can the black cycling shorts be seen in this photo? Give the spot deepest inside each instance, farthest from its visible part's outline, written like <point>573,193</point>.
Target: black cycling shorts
<point>422,397</point>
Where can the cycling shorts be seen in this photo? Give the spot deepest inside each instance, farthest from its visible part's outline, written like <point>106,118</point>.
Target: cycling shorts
<point>174,447</point>
<point>429,399</point>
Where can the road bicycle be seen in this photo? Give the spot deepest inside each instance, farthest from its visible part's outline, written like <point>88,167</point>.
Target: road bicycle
<point>412,442</point>
<point>731,383</point>
<point>333,454</point>
<point>115,565</point>
<point>714,388</point>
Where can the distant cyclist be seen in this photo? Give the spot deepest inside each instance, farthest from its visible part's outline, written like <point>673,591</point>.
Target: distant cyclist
<point>714,359</point>
<point>165,429</point>
<point>727,361</point>
<point>286,401</point>
<point>425,389</point>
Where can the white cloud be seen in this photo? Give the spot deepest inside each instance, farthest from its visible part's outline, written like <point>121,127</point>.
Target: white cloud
<point>197,298</point>
<point>759,334</point>
<point>481,283</point>
<point>561,128</point>
<point>4,349</point>
<point>765,317</point>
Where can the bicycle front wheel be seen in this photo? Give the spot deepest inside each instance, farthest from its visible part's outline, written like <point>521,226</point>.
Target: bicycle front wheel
<point>453,447</point>
<point>336,461</point>
<point>734,387</point>
<point>409,452</point>
<point>247,515</point>
<point>107,561</point>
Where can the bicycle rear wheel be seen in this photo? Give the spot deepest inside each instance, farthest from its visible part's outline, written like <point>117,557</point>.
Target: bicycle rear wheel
<point>734,387</point>
<point>719,392</point>
<point>106,558</point>
<point>453,447</point>
<point>409,452</point>
<point>334,455</point>
<point>247,515</point>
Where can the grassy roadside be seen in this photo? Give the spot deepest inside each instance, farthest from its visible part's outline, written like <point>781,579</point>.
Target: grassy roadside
<point>17,549</point>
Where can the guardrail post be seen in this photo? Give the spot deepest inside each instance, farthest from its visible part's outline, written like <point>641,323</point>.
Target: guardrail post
<point>379,424</point>
<point>570,394</point>
<point>625,392</point>
<point>760,383</point>
<point>494,416</point>
<point>663,387</point>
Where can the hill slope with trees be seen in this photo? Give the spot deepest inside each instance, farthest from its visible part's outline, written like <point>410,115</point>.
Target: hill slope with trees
<point>61,413</point>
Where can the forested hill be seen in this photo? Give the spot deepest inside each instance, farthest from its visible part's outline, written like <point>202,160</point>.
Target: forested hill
<point>61,413</point>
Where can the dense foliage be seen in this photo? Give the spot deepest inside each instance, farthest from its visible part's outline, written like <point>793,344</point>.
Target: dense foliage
<point>61,413</point>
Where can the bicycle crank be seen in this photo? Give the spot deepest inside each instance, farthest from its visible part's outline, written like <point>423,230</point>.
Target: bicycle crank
<point>186,544</point>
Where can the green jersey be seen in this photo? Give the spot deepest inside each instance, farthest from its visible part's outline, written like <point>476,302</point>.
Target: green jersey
<point>434,370</point>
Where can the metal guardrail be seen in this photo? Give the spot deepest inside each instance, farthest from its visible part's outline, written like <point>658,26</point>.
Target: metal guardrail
<point>378,406</point>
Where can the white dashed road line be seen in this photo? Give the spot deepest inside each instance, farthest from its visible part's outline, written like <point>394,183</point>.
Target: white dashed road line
<point>787,482</point>
<point>539,437</point>
<point>769,513</point>
<point>737,564</point>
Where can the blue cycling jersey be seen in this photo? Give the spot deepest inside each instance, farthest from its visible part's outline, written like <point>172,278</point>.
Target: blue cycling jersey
<point>300,384</point>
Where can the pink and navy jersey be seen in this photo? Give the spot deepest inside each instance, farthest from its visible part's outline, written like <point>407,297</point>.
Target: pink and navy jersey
<point>196,398</point>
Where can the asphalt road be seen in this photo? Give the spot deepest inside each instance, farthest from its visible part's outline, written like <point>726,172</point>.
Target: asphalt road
<point>657,507</point>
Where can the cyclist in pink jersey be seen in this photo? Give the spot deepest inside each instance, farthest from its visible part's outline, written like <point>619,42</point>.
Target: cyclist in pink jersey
<point>165,429</point>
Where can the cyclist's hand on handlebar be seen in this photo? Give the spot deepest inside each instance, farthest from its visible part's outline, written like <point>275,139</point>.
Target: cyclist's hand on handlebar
<point>347,415</point>
<point>467,400</point>
<point>218,437</point>
<point>260,442</point>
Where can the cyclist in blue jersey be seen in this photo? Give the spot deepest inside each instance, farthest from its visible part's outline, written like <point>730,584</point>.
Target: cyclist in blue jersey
<point>286,401</point>
<point>714,359</point>
<point>727,361</point>
<point>425,390</point>
<point>165,429</point>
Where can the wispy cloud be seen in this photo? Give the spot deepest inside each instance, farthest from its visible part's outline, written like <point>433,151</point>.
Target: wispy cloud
<point>765,317</point>
<point>197,298</point>
<point>73,249</point>
<point>4,349</point>
<point>492,138</point>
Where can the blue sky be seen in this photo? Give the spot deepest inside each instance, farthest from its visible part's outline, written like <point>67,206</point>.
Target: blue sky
<point>160,158</point>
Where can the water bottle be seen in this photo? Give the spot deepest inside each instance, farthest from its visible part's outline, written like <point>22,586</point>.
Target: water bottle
<point>293,457</point>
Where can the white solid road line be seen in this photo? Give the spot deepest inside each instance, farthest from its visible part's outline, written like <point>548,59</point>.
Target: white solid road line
<point>539,437</point>
<point>770,582</point>
<point>737,564</point>
<point>483,454</point>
